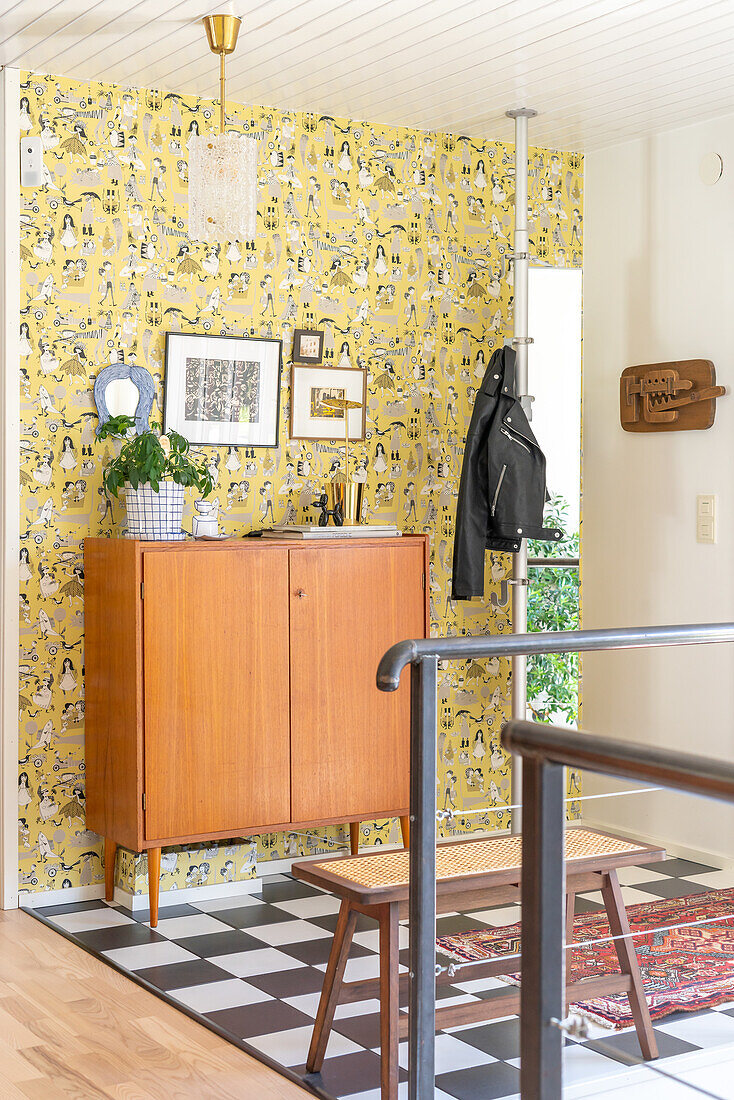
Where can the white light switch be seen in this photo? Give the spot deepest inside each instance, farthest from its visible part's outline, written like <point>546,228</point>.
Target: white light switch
<point>31,162</point>
<point>706,518</point>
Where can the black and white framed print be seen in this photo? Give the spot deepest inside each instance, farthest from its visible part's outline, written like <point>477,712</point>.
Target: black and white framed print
<point>223,389</point>
<point>308,346</point>
<point>311,390</point>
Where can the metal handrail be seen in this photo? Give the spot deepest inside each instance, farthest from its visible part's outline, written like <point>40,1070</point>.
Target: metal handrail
<point>563,641</point>
<point>542,981</point>
<point>682,770</point>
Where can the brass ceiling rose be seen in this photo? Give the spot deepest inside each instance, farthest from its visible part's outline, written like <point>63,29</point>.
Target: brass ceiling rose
<point>222,32</point>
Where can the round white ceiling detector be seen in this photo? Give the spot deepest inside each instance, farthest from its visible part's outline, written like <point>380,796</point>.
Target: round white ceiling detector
<point>711,169</point>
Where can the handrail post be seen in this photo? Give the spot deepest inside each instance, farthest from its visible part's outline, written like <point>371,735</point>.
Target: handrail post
<point>422,1006</point>
<point>542,898</point>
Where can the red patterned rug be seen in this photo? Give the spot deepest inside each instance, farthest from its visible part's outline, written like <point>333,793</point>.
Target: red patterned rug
<point>685,969</point>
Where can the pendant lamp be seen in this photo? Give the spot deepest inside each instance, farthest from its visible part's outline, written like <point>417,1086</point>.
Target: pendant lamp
<point>223,166</point>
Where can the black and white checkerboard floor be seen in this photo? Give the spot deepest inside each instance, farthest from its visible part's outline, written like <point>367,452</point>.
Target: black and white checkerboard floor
<point>254,965</point>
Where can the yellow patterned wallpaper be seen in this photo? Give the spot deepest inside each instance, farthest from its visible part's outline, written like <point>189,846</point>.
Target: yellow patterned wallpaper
<point>396,243</point>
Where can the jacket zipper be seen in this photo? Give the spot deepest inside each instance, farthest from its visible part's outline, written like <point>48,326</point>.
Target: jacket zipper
<point>497,490</point>
<point>515,440</point>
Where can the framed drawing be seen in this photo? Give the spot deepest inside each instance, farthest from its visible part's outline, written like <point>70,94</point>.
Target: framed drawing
<point>308,346</point>
<point>223,389</point>
<point>312,418</point>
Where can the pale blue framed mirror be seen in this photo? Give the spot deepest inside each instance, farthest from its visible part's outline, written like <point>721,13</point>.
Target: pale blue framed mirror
<point>124,388</point>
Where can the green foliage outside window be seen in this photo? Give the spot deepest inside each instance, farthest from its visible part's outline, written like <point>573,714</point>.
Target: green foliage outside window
<point>553,604</point>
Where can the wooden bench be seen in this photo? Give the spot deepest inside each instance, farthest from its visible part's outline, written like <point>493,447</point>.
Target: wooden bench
<point>470,874</point>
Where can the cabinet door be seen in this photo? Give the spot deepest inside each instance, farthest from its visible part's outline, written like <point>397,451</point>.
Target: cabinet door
<point>216,690</point>
<point>349,741</point>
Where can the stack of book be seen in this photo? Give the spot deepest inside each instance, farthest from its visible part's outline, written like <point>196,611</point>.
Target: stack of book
<point>313,531</point>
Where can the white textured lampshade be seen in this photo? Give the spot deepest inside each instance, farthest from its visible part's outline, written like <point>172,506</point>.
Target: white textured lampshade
<point>222,187</point>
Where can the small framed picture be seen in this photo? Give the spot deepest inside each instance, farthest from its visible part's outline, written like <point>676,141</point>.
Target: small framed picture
<point>308,346</point>
<point>223,389</point>
<point>312,417</point>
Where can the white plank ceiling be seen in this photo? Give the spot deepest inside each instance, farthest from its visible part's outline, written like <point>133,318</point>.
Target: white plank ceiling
<point>599,71</point>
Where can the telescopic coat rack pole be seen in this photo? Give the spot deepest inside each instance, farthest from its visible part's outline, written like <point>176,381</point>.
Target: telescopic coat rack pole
<point>520,342</point>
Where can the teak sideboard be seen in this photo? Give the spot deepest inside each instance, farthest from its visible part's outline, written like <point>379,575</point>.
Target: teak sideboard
<point>230,687</point>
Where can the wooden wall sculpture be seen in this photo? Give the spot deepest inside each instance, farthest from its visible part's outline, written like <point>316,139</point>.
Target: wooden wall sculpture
<point>669,397</point>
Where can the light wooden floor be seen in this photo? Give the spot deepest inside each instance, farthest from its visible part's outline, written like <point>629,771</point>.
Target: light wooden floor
<point>71,1027</point>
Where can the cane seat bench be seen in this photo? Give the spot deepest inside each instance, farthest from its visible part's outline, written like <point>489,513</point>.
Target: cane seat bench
<point>470,874</point>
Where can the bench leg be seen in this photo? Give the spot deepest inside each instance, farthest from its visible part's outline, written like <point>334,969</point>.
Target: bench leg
<point>354,837</point>
<point>628,964</point>
<point>332,986</point>
<point>389,999</point>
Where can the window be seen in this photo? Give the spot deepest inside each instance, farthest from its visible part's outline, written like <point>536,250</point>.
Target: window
<point>554,370</point>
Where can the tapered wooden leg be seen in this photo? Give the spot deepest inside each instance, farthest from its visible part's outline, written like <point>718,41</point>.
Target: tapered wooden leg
<point>354,837</point>
<point>331,987</point>
<point>154,882</point>
<point>389,1000</point>
<point>628,964</point>
<point>405,830</point>
<point>570,908</point>
<point>110,851</point>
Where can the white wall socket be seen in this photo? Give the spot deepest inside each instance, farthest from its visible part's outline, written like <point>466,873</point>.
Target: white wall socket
<point>706,518</point>
<point>31,162</point>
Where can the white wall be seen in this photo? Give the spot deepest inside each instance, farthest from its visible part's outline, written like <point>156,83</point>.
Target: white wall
<point>659,286</point>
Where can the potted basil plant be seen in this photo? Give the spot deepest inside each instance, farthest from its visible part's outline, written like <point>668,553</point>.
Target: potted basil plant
<point>154,470</point>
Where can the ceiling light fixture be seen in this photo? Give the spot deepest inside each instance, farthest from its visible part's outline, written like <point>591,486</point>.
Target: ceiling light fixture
<point>223,166</point>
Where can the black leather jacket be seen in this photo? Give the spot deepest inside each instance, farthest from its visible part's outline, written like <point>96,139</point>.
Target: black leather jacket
<point>502,490</point>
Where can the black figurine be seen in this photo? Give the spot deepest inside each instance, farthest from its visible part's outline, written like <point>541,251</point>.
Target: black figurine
<point>335,513</point>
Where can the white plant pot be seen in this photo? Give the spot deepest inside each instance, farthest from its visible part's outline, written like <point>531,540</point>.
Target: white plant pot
<point>155,516</point>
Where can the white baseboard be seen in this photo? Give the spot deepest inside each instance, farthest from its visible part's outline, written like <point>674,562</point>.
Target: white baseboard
<point>140,901</point>
<point>679,851</point>
<point>33,900</point>
<point>135,902</point>
<point>131,901</point>
<point>190,893</point>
